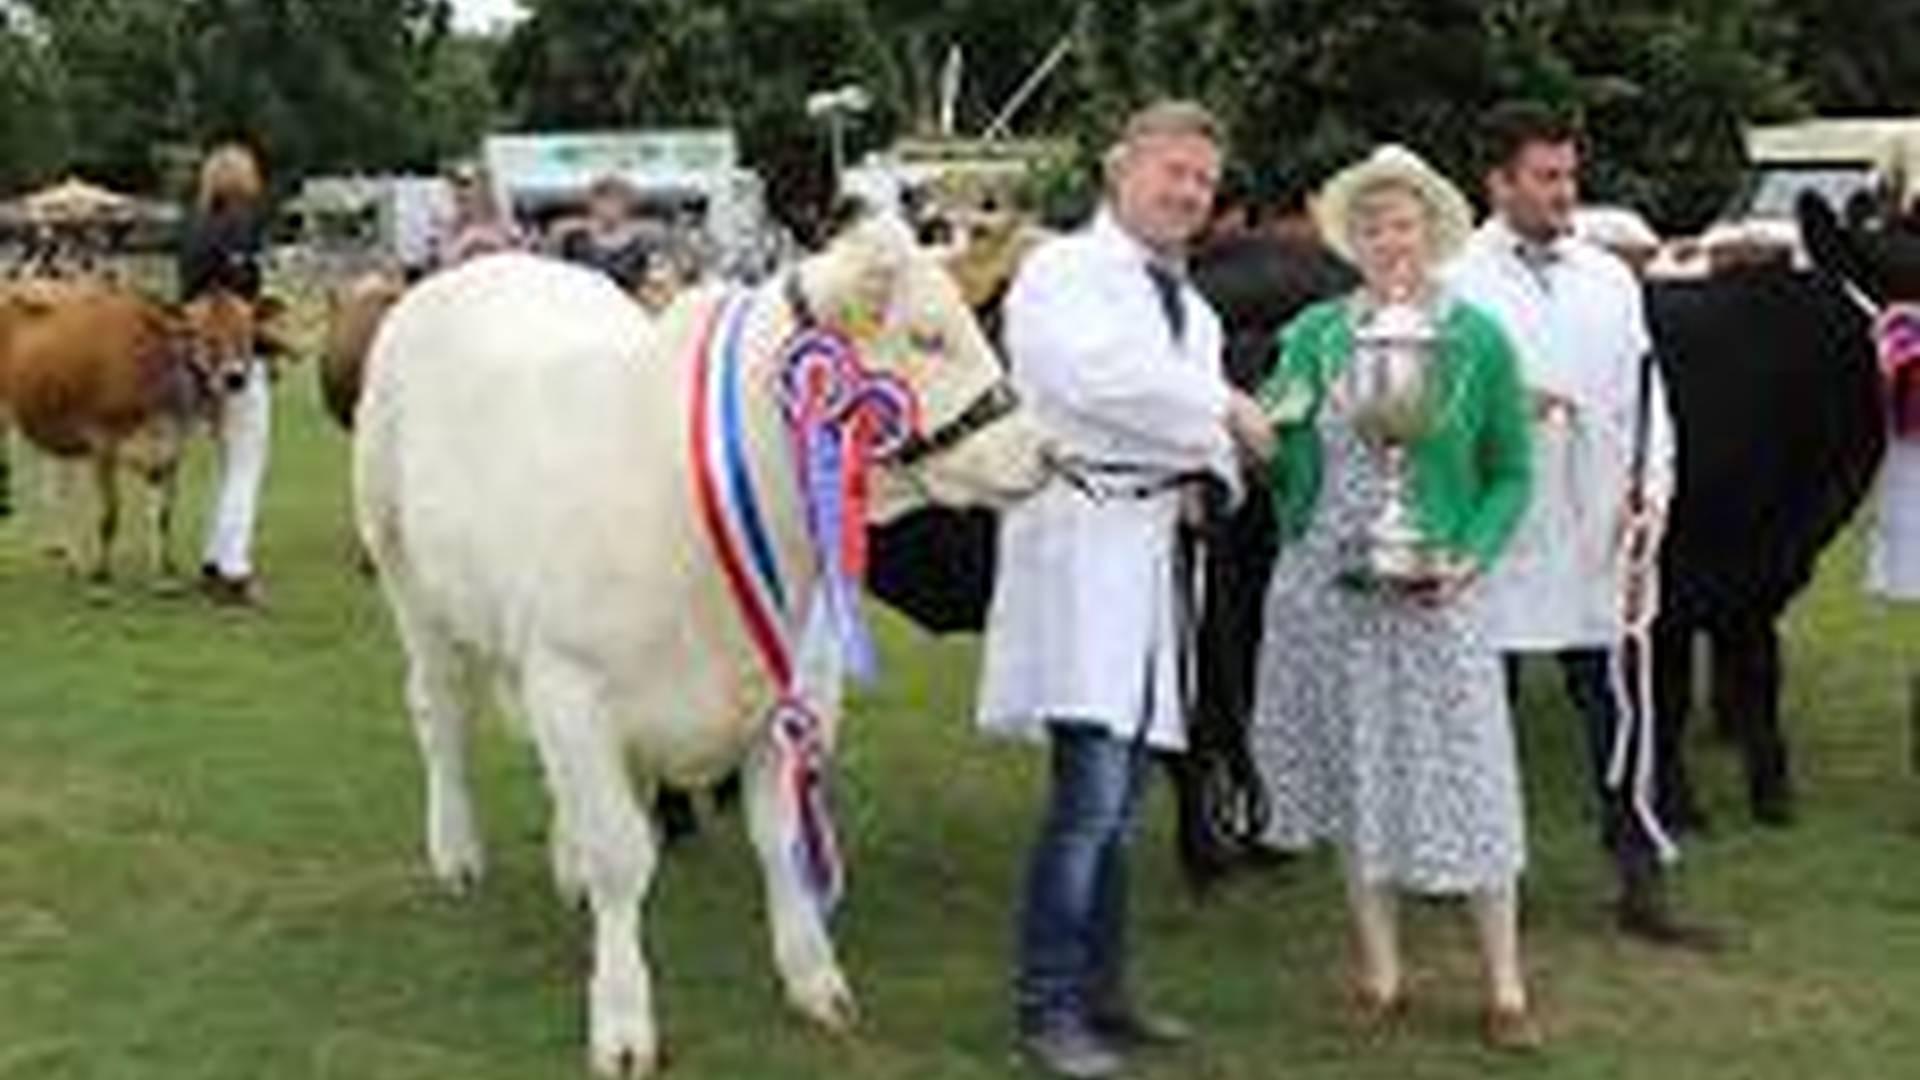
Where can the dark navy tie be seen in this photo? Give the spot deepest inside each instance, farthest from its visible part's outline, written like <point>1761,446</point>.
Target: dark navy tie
<point>1167,283</point>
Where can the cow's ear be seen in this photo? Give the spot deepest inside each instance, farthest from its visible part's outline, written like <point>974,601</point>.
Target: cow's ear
<point>1833,251</point>
<point>865,266</point>
<point>172,316</point>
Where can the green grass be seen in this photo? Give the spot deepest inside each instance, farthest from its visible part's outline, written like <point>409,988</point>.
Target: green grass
<point>209,868</point>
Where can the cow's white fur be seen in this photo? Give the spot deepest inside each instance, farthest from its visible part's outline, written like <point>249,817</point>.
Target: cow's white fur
<point>522,483</point>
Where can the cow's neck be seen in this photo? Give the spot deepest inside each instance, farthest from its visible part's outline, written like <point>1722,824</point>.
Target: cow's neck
<point>754,481</point>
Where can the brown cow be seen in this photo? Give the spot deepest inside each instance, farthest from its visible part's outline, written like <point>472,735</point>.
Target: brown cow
<point>355,311</point>
<point>96,372</point>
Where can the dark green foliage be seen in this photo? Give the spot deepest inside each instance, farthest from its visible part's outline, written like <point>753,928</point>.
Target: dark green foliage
<point>107,86</point>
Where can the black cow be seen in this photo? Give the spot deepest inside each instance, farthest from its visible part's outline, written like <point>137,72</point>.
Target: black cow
<point>1778,422</point>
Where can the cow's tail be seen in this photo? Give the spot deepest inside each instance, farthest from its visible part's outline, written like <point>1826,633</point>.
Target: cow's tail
<point>377,482</point>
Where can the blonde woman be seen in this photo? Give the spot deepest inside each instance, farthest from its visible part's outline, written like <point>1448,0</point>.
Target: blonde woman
<point>1381,723</point>
<point>222,250</point>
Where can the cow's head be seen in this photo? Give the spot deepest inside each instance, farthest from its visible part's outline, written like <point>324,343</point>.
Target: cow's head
<point>221,333</point>
<point>1880,266</point>
<point>973,443</point>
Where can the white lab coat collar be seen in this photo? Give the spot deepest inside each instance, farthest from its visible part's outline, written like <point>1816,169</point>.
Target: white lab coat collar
<point>1497,232</point>
<point>1107,227</point>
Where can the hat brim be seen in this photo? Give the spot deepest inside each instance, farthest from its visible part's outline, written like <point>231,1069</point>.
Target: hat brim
<point>1449,215</point>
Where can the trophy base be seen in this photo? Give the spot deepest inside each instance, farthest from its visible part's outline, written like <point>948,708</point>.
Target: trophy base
<point>1401,570</point>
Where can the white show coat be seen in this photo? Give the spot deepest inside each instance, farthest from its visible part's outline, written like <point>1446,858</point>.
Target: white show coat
<point>1578,324</point>
<point>1082,625</point>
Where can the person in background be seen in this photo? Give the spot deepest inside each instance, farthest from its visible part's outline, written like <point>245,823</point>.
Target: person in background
<point>478,225</point>
<point>613,238</point>
<point>222,249</point>
<point>1577,317</point>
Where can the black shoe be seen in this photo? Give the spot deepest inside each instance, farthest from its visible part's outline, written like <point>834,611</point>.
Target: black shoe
<point>1138,1028</point>
<point>1773,806</point>
<point>229,591</point>
<point>1644,914</point>
<point>1267,857</point>
<point>1070,1051</point>
<point>1685,818</point>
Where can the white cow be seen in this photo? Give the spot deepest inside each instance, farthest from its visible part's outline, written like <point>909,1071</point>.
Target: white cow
<point>527,482</point>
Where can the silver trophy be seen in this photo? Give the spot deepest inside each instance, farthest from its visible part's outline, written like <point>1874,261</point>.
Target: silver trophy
<point>1387,389</point>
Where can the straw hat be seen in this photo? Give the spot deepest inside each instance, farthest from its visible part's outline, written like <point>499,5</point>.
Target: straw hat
<point>1450,217</point>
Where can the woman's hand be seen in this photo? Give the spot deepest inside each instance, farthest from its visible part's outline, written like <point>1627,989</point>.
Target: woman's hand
<point>1447,584</point>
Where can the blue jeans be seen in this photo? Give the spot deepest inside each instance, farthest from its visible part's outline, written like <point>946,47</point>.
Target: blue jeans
<point>1072,935</point>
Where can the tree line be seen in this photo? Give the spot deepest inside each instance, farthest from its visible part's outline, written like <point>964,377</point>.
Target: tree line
<point>123,90</point>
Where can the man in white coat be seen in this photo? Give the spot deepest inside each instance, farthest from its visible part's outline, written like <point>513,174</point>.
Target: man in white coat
<point>1575,314</point>
<point>1119,355</point>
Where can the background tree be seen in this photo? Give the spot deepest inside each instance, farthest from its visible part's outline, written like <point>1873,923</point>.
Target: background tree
<point>317,84</point>
<point>747,65</point>
<point>1857,56</point>
<point>102,86</point>
<point>32,121</point>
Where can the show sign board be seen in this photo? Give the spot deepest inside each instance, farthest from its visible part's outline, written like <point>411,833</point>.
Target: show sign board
<point>563,164</point>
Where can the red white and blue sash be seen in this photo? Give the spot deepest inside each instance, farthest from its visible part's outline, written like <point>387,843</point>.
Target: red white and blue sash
<point>840,418</point>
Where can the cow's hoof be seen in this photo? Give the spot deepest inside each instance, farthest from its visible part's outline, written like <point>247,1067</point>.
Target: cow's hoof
<point>460,881</point>
<point>460,868</point>
<point>625,1055</point>
<point>828,1002</point>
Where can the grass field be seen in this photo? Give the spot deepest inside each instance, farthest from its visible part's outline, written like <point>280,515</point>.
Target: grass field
<point>209,868</point>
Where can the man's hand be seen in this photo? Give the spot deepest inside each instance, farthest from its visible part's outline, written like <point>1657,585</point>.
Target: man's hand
<point>1552,408</point>
<point>1250,427</point>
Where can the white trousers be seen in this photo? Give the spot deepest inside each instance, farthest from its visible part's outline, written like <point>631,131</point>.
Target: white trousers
<point>245,431</point>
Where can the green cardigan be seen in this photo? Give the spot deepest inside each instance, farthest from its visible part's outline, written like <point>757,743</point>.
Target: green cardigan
<point>1470,475</point>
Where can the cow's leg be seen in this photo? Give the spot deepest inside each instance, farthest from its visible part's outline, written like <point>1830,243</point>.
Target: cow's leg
<point>1754,645</point>
<point>106,483</point>
<point>1673,669</point>
<point>802,951</point>
<point>611,837</point>
<point>53,509</point>
<point>438,699</point>
<point>164,482</point>
<point>6,468</point>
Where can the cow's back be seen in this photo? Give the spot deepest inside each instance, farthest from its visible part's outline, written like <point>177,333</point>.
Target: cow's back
<point>82,361</point>
<point>1777,410</point>
<point>520,477</point>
